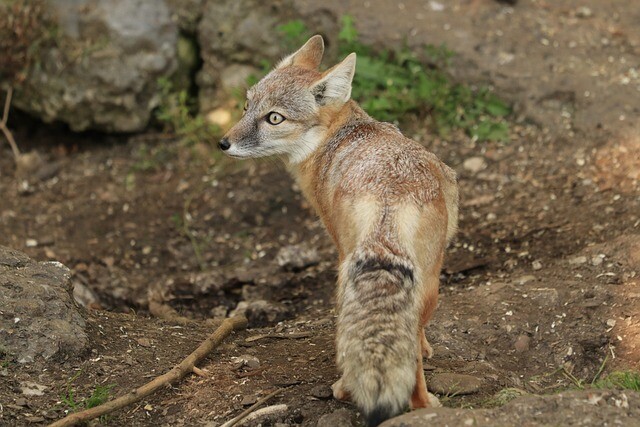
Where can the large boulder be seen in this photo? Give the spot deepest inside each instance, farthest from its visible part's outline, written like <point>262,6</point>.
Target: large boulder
<point>38,317</point>
<point>102,68</point>
<point>571,408</point>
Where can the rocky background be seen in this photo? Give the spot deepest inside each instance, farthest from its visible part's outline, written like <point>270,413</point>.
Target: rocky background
<point>99,61</point>
<point>540,290</point>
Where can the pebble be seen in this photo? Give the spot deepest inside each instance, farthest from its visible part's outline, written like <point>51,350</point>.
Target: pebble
<point>474,164</point>
<point>454,384</point>
<point>584,12</point>
<point>297,257</point>
<point>339,418</point>
<point>522,343</point>
<point>30,388</point>
<point>536,265</point>
<point>321,391</point>
<point>247,360</point>
<point>525,279</point>
<point>578,260</point>
<point>249,400</point>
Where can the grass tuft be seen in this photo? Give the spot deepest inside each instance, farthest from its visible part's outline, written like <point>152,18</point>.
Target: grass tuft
<point>622,380</point>
<point>390,84</point>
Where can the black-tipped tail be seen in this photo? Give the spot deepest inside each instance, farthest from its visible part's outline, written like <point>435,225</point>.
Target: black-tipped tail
<point>379,415</point>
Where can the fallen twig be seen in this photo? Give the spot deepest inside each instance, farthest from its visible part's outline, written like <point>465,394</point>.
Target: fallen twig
<point>177,373</point>
<point>269,410</point>
<point>250,409</point>
<point>293,336</point>
<point>3,124</point>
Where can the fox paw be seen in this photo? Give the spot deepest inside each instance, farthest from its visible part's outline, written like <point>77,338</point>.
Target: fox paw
<point>339,393</point>
<point>427,350</point>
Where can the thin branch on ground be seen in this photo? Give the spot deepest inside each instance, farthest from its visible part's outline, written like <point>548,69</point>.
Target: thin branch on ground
<point>174,375</point>
<point>250,409</point>
<point>3,124</point>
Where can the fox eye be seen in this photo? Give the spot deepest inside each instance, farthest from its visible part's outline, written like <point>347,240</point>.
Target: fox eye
<point>274,118</point>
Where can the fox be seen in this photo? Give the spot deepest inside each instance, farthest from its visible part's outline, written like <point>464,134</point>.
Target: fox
<point>389,205</point>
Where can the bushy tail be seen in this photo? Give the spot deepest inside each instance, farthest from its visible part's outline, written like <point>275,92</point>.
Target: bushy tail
<point>376,332</point>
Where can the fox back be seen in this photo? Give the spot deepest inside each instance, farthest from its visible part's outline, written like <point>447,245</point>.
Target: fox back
<point>390,206</point>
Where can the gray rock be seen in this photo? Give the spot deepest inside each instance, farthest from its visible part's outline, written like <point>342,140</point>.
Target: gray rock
<point>321,391</point>
<point>454,384</point>
<point>297,257</point>
<point>573,408</point>
<point>38,317</point>
<point>339,418</point>
<point>103,72</point>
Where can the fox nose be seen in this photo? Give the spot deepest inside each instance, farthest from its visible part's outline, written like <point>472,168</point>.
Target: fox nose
<point>224,144</point>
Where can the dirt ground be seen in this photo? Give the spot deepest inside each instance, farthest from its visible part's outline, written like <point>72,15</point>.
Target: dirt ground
<point>543,275</point>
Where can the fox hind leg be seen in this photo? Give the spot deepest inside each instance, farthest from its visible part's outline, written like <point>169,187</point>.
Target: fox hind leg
<point>430,301</point>
<point>420,397</point>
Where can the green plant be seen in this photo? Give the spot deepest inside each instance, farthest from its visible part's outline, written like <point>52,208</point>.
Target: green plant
<point>178,114</point>
<point>69,397</point>
<point>295,33</point>
<point>25,30</point>
<point>389,84</point>
<point>99,396</point>
<point>625,380</point>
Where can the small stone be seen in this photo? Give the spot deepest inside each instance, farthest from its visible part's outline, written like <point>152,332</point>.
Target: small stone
<point>454,384</point>
<point>297,257</point>
<point>584,12</point>
<point>525,279</point>
<point>339,418</point>
<point>474,164</point>
<point>30,388</point>
<point>144,342</point>
<point>597,260</point>
<point>578,260</point>
<point>522,343</point>
<point>31,243</point>
<point>247,360</point>
<point>321,391</point>
<point>536,265</point>
<point>220,117</point>
<point>249,400</point>
<point>21,401</point>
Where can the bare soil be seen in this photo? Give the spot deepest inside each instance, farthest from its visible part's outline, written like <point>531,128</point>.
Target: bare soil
<point>540,288</point>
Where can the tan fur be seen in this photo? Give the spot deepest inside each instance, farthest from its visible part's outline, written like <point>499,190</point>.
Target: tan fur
<point>389,205</point>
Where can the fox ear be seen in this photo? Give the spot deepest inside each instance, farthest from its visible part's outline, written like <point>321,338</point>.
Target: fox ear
<point>308,56</point>
<point>335,85</point>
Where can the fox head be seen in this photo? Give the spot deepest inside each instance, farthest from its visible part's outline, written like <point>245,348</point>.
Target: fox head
<point>288,112</point>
